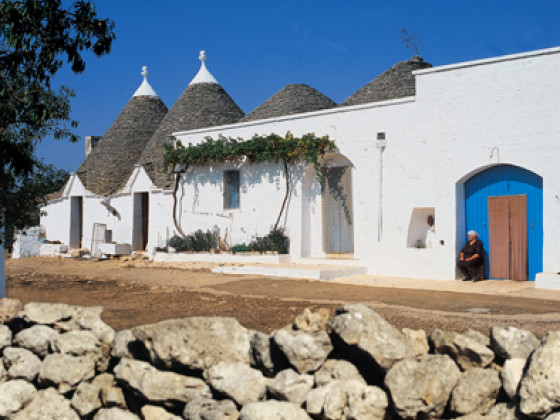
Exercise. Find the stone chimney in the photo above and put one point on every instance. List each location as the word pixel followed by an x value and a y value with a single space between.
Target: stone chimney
pixel 91 142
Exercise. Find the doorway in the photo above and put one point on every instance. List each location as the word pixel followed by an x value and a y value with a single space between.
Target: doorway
pixel 338 229
pixel 140 223
pixel 76 222
pixel 490 184
pixel 507 228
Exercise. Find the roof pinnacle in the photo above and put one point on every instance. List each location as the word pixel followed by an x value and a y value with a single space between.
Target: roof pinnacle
pixel 145 89
pixel 203 75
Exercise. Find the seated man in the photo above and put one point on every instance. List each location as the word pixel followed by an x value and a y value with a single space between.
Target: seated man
pixel 470 259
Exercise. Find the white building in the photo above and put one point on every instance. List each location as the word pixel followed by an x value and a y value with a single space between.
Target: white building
pixel 473 144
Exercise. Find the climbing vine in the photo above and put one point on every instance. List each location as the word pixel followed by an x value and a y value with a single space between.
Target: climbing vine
pixel 286 150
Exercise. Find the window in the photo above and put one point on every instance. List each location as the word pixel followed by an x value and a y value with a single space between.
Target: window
pixel 231 189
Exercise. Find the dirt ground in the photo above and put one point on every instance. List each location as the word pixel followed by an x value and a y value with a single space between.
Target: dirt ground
pixel 135 293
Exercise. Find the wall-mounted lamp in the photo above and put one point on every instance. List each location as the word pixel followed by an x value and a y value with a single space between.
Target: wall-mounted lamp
pixel 381 140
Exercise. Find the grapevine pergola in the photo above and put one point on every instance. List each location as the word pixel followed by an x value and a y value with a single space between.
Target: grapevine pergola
pixel 287 150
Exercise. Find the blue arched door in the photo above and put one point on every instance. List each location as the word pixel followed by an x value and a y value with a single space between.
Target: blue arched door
pixel 496 187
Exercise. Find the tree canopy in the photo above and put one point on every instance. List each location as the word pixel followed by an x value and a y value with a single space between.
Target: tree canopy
pixel 21 196
pixel 37 37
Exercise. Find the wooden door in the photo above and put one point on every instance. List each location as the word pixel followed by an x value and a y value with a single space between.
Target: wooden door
pixel 507 226
pixel 338 230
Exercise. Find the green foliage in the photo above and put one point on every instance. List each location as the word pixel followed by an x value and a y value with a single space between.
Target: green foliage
pixel 275 241
pixel 36 38
pixel 197 241
pixel 21 196
pixel 258 149
pixel 241 248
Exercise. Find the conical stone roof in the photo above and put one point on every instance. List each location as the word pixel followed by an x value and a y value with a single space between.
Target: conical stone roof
pixel 110 163
pixel 292 99
pixel 200 105
pixel 397 82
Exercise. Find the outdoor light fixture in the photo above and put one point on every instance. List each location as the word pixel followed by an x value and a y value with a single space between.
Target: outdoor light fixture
pixel 381 140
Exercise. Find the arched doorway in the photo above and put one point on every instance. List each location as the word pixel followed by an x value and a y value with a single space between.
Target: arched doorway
pixel 504 204
pixel 337 208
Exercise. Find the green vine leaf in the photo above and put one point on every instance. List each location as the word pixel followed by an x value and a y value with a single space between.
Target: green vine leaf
pixel 271 148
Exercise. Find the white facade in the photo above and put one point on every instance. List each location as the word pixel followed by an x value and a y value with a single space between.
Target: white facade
pixel 463 119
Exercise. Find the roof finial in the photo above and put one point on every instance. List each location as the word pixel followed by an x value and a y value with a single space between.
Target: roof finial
pixel 145 89
pixel 203 75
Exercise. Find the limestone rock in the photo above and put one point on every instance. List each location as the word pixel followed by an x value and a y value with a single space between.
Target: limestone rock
pixel 152 412
pixel 312 321
pixel 478 336
pixel 95 324
pixel 511 375
pixel 60 369
pixel 159 386
pixel 114 414
pixel 86 399
pixel 48 404
pixel 2 371
pixel 21 364
pixel 418 340
pixel 83 343
pixel 539 391
pixel 14 395
pixel 195 343
pixel 290 386
pixel 54 313
pixel 513 343
pixel 38 339
pixel 5 336
pixel 273 410
pixel 553 416
pixel 476 391
pixel 121 342
pixel 470 353
pixel 305 351
pixel 334 369
pixel 441 341
pixel 208 409
pixel 265 354
pixel 421 387
pixel 237 381
pixel 347 400
pixel 9 309
pixel 505 411
pixel 112 396
pixel 364 331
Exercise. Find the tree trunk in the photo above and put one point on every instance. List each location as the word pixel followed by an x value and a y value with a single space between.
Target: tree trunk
pixel 177 179
pixel 287 174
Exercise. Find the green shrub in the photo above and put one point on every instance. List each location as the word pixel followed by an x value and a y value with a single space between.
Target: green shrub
pixel 240 248
pixel 275 241
pixel 195 242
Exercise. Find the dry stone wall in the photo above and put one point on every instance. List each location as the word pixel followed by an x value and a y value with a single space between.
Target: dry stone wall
pixel 63 362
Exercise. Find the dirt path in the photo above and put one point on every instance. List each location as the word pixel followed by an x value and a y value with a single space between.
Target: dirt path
pixel 134 294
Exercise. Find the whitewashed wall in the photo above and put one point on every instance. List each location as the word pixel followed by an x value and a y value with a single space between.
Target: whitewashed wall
pixel 435 142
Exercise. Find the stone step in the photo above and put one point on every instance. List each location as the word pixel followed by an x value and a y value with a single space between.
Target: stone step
pixel 312 272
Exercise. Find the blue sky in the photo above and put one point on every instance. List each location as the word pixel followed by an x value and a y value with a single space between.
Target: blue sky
pixel 255 48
